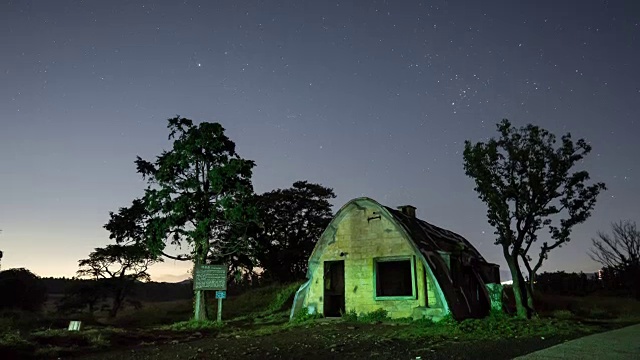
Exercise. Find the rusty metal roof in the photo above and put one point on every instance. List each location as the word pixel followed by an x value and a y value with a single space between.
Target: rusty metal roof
pixel 433 238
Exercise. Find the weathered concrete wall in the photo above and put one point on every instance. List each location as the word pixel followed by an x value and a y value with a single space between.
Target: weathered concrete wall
pixel 361 240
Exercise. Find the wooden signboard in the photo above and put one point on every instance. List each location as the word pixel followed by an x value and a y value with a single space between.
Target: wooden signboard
pixel 210 277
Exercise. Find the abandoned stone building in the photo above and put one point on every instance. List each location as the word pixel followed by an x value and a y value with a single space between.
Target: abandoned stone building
pixel 372 256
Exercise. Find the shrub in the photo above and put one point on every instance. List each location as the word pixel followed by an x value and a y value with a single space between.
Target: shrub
pixel 21 289
pixel 18 320
pixel 303 316
pixel 13 345
pixel 562 314
pixel 193 325
pixel 601 313
pixel 350 316
pixel 378 315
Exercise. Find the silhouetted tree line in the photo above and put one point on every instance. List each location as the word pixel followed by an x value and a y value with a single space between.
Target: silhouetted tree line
pixel 608 281
pixel 562 283
pixel 90 295
pixel 621 282
pixel 142 291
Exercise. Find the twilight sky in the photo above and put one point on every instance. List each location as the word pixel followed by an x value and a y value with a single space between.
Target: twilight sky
pixel 374 99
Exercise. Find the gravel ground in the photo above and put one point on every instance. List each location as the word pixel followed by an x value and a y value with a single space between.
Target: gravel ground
pixel 331 342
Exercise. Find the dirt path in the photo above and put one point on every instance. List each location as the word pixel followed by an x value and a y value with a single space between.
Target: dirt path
pixel 330 342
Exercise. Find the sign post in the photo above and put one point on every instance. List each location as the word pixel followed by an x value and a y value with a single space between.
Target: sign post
pixel 220 295
pixel 212 277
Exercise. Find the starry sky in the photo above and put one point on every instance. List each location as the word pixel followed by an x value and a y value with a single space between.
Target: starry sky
pixel 371 98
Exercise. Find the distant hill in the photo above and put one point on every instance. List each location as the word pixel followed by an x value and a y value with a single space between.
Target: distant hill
pixel 151 291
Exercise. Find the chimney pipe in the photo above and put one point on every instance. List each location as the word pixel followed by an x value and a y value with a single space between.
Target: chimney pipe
pixel 408 210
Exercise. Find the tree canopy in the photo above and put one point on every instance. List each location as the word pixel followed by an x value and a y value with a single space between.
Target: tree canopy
pixel 293 219
pixel 527 184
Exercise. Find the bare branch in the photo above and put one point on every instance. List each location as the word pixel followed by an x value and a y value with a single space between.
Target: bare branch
pixel 620 250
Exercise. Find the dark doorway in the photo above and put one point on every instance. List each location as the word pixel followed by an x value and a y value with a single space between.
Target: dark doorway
pixel 333 288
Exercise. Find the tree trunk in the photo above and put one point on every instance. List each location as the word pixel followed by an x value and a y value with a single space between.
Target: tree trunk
pixel 529 287
pixel 119 295
pixel 117 303
pixel 200 307
pixel 200 299
pixel 635 282
pixel 118 299
pixel 518 288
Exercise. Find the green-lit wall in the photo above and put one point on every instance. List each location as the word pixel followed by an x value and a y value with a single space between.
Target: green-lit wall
pixel 361 241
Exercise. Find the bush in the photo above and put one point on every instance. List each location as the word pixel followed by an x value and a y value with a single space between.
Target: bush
pixel 14 346
pixel 21 289
pixel 350 316
pixel 193 325
pixel 19 320
pixel 601 314
pixel 303 316
pixel 562 314
pixel 378 315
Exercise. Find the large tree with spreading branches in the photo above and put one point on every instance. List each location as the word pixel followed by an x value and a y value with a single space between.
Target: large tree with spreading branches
pixel 116 268
pixel 197 197
pixel 527 183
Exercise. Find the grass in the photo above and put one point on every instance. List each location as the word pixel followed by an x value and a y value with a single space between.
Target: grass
pixel 260 302
pixel 304 316
pixel 494 327
pixel 25 334
pixel 376 316
pixel 256 306
pixel 265 311
pixel 192 325
pixel 614 309
pixel 154 314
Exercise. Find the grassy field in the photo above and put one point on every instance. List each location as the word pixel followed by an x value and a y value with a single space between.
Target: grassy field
pixel 264 312
pixel 594 307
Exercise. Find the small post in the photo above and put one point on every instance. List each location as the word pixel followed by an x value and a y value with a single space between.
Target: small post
pixel 196 314
pixel 220 294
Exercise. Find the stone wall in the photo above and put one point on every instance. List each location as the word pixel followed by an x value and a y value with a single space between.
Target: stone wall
pixel 360 241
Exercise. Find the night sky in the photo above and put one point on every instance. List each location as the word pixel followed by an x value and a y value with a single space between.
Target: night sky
pixel 374 100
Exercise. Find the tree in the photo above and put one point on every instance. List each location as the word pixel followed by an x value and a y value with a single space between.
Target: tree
pixel 293 219
pixel 620 252
pixel 118 267
pixel 82 294
pixel 197 195
pixel 526 183
pixel 21 289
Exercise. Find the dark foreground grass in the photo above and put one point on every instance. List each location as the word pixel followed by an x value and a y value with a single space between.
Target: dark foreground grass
pixel 497 326
pixel 263 313
pixel 24 335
